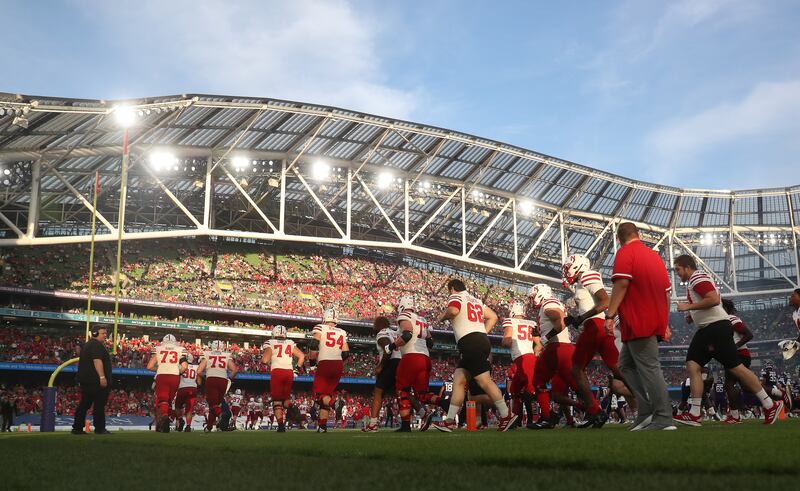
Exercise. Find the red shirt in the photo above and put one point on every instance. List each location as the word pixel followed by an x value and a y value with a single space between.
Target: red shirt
pixel 644 311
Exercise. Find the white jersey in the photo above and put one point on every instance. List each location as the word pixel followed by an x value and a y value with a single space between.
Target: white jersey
pixel 420 331
pixel 470 314
pixel 796 318
pixel 217 363
pixel 236 400
pixel 522 334
pixel 585 288
pixel 259 407
pixel 251 407
pixel 331 342
pixel 699 284
pixel 545 325
pixel 391 335
pixel 282 350
pixel 737 334
pixel 189 377
pixel 168 357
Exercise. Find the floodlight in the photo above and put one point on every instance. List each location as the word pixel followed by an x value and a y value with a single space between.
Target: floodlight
pixel 125 116
pixel 162 160
pixel 384 180
pixel 526 207
pixel 320 170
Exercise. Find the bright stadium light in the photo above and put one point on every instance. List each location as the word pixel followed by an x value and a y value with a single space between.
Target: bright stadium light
pixel 125 116
pixel 384 179
pixel 162 160
pixel 240 163
pixel 320 170
pixel 526 207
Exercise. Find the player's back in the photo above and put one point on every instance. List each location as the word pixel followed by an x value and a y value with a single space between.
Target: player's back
pixel 522 333
pixel 282 350
pixel 236 400
pixel 419 333
pixel 331 342
pixel 217 363
pixel 470 314
pixel 168 356
pixel 189 376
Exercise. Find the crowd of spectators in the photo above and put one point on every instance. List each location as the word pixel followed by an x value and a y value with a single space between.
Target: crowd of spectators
pixel 28 400
pixel 224 275
pixel 19 346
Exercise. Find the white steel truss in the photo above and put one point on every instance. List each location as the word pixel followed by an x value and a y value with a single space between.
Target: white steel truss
pixel 440 203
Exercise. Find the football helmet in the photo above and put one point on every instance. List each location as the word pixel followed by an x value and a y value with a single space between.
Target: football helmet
pixel 190 357
pixel 279 331
pixel 330 314
pixel 574 266
pixel 169 339
pixel 539 293
pixel 252 400
pixel 517 309
pixel 406 303
pixel 238 392
pixel 216 345
pixel 788 348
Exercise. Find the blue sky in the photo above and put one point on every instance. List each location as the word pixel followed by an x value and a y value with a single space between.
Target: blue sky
pixel 693 93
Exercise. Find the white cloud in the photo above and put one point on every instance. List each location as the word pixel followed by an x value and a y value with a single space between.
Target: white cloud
pixel 770 108
pixel 769 111
pixel 324 52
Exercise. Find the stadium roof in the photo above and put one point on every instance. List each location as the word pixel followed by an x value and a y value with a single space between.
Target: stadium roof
pixel 390 184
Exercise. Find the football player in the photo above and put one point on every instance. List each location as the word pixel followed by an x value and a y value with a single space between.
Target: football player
pixel 329 350
pixel 235 401
pixel 279 353
pixel 186 397
pixel 219 369
pixel 169 362
pixel 741 336
pixel 522 337
pixel 386 370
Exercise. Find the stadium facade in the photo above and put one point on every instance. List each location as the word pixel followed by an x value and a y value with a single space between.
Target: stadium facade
pixel 270 170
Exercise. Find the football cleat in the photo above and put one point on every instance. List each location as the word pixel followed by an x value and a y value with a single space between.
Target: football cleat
pixel 370 428
pixel 730 420
pixel 179 426
pixel 188 429
pixel 322 429
pixel 445 426
pixel 687 419
pixel 281 427
pixel 771 414
pixel 426 421
pixel 542 424
pixel 505 423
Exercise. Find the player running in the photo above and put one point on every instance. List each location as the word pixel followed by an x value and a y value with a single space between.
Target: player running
pixel 329 350
pixel 522 337
pixel 217 365
pixel 471 321
pixel 741 336
pixel 236 402
pixel 414 370
pixel 169 362
pixel 186 396
pixel 591 301
pixel 554 365
pixel 713 339
pixel 385 372
pixel 278 353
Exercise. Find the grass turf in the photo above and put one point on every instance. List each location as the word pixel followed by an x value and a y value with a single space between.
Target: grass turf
pixel 712 457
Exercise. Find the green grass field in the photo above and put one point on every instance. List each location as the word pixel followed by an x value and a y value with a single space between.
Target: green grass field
pixel 708 458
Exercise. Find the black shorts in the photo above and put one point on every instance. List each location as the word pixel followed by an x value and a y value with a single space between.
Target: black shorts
pixel 714 341
pixel 475 349
pixel 746 360
pixel 385 379
pixel 475 389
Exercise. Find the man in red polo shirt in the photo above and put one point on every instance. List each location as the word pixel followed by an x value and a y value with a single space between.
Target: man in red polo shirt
pixel 640 297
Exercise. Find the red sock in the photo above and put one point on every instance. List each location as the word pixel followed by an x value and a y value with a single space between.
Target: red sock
pixel 543 399
pixel 163 409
